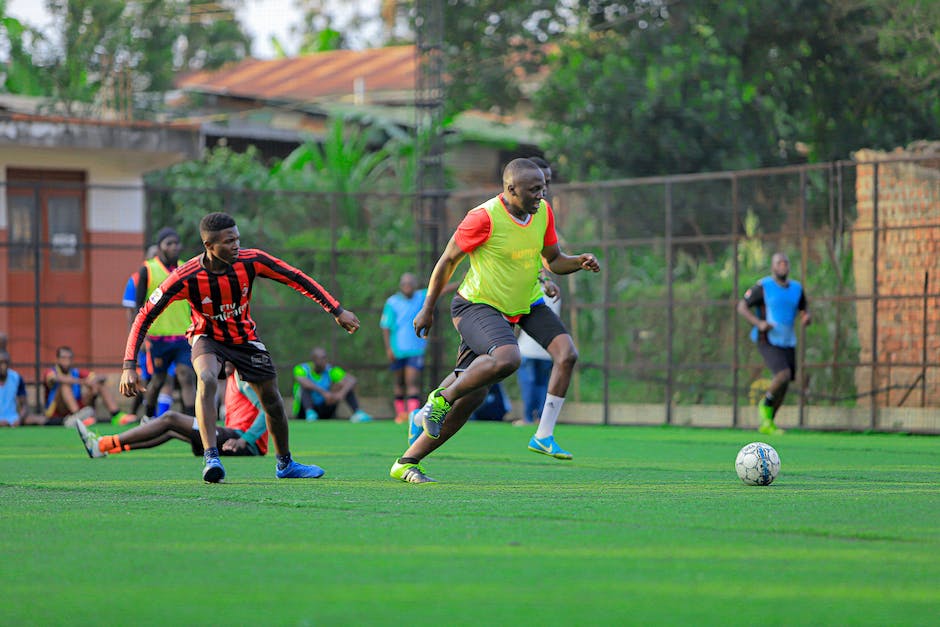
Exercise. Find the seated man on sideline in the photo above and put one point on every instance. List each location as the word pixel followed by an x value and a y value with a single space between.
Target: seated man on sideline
pixel 71 393
pixel 13 408
pixel 320 387
pixel 244 433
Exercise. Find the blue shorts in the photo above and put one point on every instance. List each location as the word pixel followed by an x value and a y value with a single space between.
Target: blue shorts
pixel 143 364
pixel 164 354
pixel 416 362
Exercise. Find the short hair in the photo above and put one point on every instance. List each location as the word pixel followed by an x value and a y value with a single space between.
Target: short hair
pixel 217 221
pixel 539 161
pixel 62 349
pixel 516 167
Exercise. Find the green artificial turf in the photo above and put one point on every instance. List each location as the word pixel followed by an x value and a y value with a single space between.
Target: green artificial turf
pixel 647 526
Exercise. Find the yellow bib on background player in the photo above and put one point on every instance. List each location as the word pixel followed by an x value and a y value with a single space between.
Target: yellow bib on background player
pixel 175 318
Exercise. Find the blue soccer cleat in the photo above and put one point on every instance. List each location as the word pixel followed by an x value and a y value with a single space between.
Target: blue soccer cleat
pixel 213 472
pixel 548 446
pixel 296 470
pixel 415 425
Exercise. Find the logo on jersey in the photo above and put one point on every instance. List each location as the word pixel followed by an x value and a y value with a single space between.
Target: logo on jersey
pixel 156 296
pixel 206 301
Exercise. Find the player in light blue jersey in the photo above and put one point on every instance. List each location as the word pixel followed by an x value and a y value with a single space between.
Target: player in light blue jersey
pixel 772 306
pixel 404 349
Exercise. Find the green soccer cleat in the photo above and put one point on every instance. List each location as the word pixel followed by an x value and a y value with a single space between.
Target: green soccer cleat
pixel 548 446
pixel 409 473
pixel 767 426
pixel 434 412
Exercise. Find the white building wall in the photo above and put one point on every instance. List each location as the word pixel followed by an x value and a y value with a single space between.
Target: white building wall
pixel 116 206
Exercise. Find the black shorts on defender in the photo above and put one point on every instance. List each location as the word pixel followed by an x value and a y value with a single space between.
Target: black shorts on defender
pixel 482 328
pixel 251 359
pixel 778 358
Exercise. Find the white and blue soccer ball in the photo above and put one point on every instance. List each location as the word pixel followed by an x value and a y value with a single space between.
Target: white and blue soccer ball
pixel 757 464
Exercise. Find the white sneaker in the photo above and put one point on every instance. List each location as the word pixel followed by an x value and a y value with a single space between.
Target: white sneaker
pixel 90 440
pixel 79 416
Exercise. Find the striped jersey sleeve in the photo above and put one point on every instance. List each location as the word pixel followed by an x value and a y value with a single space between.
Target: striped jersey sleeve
pixel 173 288
pixel 273 268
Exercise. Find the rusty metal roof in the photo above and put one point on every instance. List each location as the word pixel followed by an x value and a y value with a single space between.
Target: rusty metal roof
pixel 320 76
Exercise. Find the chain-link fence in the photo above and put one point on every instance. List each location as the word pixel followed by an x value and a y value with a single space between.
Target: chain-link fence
pixel 657 331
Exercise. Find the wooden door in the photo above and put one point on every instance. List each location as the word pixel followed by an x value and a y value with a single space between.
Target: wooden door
pixel 48 256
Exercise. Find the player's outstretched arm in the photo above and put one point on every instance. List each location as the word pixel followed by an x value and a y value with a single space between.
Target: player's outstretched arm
pixel 440 277
pixel 562 263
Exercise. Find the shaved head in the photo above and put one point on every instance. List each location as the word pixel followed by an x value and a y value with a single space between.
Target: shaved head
pixel 516 169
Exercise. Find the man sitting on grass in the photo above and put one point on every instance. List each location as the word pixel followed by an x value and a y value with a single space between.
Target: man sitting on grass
pixel 244 433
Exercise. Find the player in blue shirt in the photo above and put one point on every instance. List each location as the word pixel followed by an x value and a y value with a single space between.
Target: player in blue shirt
pixel 404 349
pixel 13 410
pixel 772 305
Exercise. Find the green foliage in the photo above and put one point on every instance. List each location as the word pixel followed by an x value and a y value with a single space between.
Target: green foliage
pixel 491 46
pixel 908 36
pixel 699 86
pixel 21 76
pixel 95 47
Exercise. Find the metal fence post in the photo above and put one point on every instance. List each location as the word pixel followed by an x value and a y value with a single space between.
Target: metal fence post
pixel 804 255
pixel 873 414
pixel 735 318
pixel 670 320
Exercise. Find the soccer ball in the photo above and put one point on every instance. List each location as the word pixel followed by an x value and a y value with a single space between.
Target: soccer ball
pixel 757 464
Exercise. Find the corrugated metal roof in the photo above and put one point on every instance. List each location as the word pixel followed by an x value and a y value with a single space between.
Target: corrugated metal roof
pixel 323 75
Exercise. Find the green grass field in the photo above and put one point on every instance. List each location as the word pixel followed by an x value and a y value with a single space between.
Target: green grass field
pixel 647 526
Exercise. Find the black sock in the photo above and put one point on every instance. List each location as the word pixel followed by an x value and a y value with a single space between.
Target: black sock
pixel 769 398
pixel 211 452
pixel 408 460
pixel 283 461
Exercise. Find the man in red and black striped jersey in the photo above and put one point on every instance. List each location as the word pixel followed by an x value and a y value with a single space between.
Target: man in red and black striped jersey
pixel 218 285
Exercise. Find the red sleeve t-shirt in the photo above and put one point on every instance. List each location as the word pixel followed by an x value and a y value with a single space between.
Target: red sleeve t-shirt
pixel 476 228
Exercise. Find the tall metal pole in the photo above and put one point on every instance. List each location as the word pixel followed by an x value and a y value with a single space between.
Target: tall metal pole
pixel 735 325
pixel 670 317
pixel 430 192
pixel 873 417
pixel 37 304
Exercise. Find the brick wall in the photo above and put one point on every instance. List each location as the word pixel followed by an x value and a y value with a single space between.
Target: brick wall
pixel 908 197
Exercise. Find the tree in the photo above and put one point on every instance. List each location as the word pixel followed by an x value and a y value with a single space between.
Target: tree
pixel 21 74
pixel 652 87
pixel 909 40
pixel 493 48
pixel 110 53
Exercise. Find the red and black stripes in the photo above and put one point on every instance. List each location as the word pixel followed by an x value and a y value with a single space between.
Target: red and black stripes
pixel 220 301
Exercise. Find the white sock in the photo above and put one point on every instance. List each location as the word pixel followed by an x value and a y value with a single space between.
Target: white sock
pixel 549 415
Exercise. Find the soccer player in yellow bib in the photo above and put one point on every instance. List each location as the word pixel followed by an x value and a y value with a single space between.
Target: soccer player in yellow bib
pixel 506 238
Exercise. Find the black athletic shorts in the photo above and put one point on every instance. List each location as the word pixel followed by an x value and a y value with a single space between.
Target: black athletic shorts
pixel 482 328
pixel 778 358
pixel 221 435
pixel 251 360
